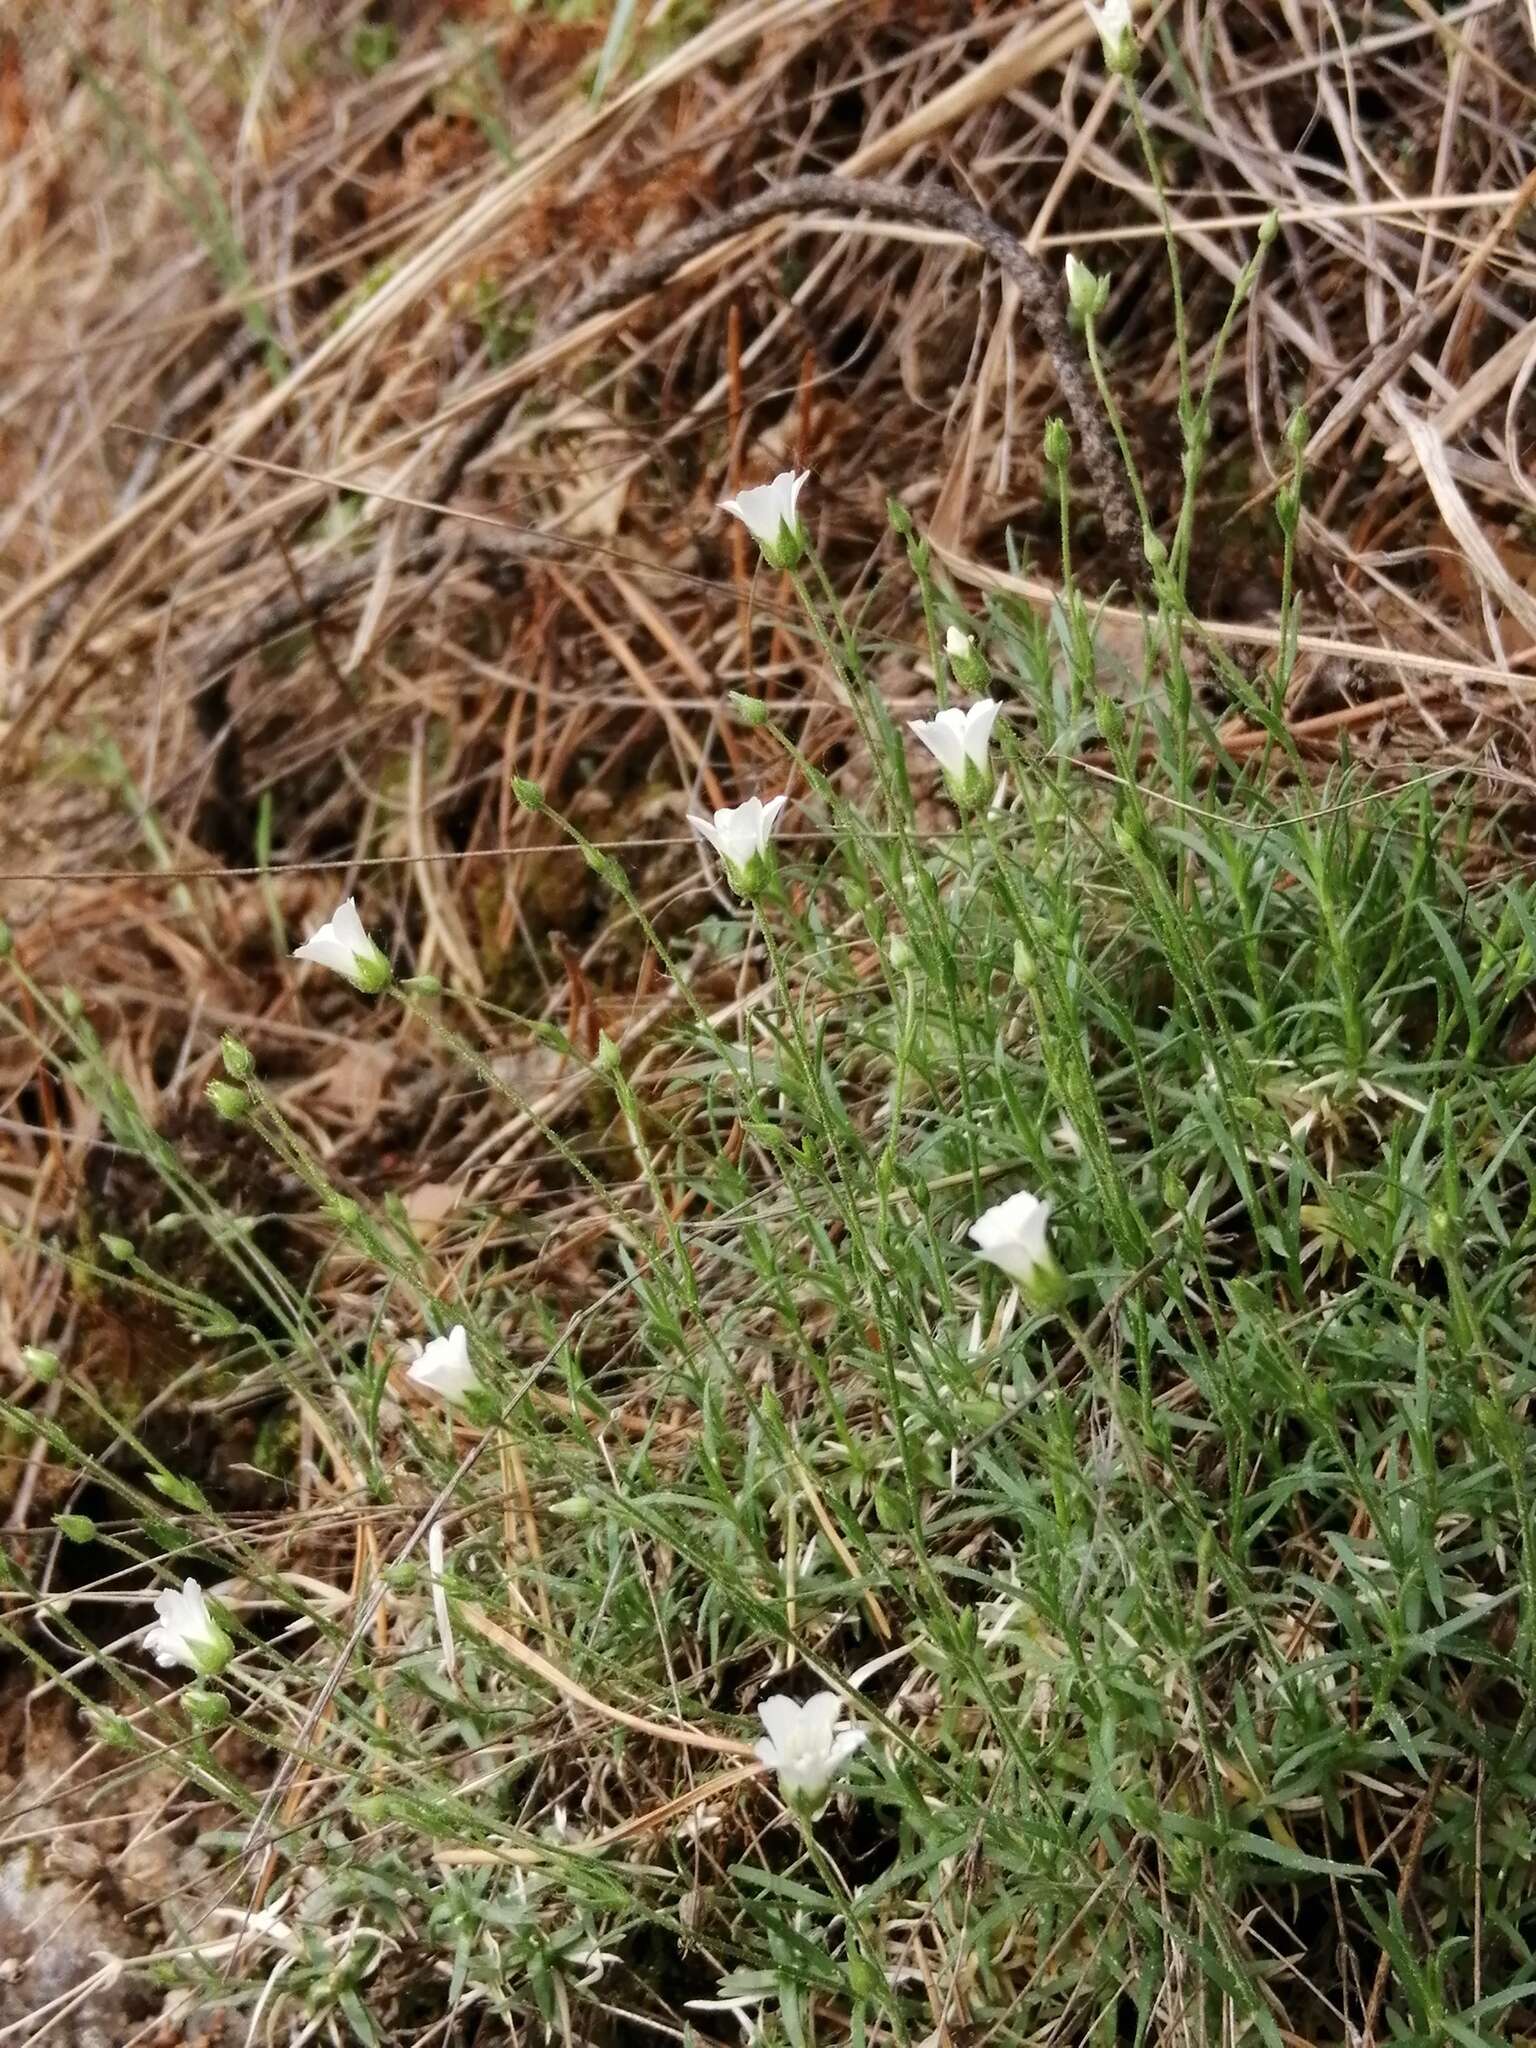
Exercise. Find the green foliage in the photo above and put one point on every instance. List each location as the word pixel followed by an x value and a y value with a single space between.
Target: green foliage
pixel 1187 1606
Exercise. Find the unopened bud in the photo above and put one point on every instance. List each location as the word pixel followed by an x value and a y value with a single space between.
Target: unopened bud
pixel 238 1061
pixel 230 1102
pixel 750 710
pixel 205 1709
pixel 1087 293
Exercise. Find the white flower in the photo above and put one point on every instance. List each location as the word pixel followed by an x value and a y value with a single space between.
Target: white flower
pixel 742 837
pixel 958 740
pixel 444 1366
pixel 344 947
pixel 805 1745
pixel 768 512
pixel 1117 32
pixel 1089 295
pixel 958 645
pixel 185 1632
pixel 1011 1235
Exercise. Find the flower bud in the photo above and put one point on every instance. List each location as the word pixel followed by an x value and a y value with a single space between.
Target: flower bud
pixel 1117 33
pixel 1298 431
pixel 205 1709
pixel 230 1102
pixel 967 661
pixel 42 1363
pixel 750 710
pixel 575 1507
pixel 77 1528
pixel 423 985
pixel 1087 293
pixel 119 1248
pixel 239 1063
pixel 528 794
pixel 1058 443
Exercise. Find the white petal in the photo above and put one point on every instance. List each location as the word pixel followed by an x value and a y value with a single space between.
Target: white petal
pixel 780 1715
pixel 820 1716
pixel 844 1743
pixel 444 1366
pixel 772 811
pixel 979 721
pixel 944 737
pixel 705 830
pixel 347 926
pixel 324 949
pixel 746 821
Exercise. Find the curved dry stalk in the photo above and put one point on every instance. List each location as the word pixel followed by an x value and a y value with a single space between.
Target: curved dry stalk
pixel 923 206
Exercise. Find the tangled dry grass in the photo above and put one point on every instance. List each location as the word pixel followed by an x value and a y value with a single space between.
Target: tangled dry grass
pixel 264 629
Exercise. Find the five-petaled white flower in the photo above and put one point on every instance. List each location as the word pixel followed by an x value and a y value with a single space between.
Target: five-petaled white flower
pixel 805 1745
pixel 185 1632
pixel 768 512
pixel 342 945
pixel 444 1366
pixel 1011 1235
pixel 1117 32
pixel 743 839
pixel 958 740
